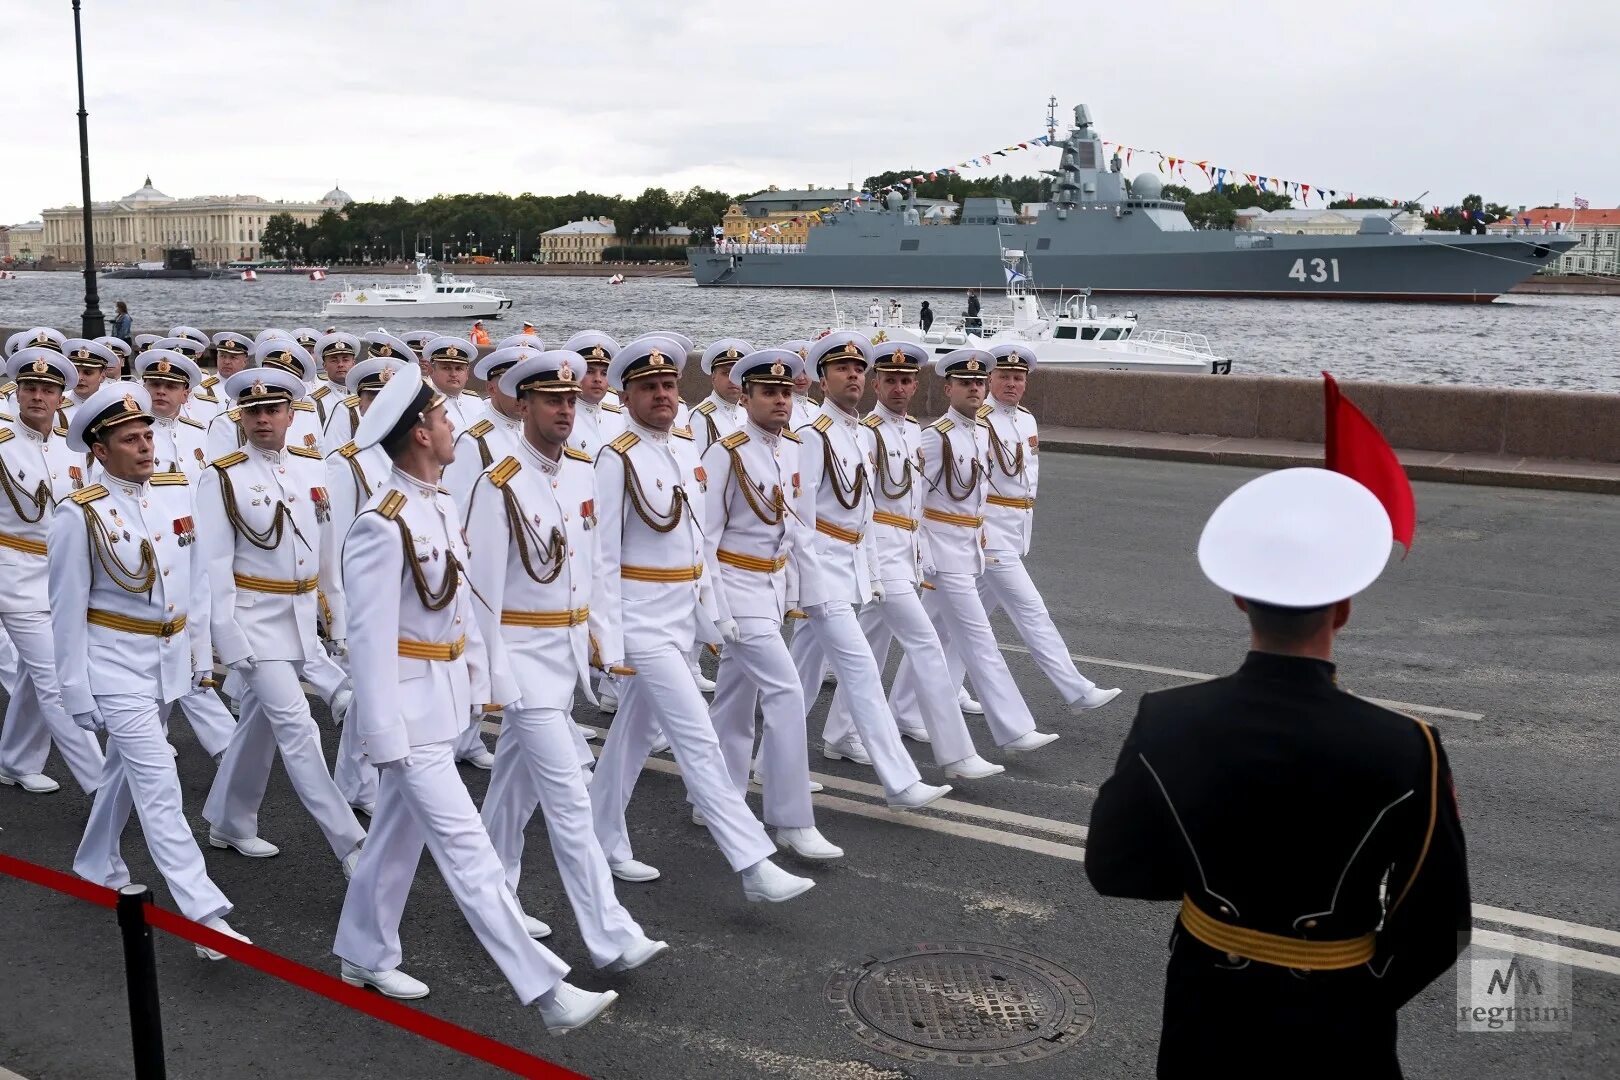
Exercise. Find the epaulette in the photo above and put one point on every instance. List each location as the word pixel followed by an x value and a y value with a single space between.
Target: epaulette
pixel 984 411
pixel 303 406
pixel 609 406
pixel 189 420
pixel 210 398
pixel 705 407
pixel 352 401
pixel 320 392
pixel 235 414
pixel 681 432
pixel 8 389
pixel 790 437
pixel 913 420
pixel 235 457
pixel 169 479
pixel 391 505
pixel 6 435
pixel 469 393
pixel 305 451
pixel 734 440
pixel 577 454
pixel 88 495
pixel 480 429
pixel 624 442
pixel 981 423
pixel 348 449
pixel 8 417
pixel 503 472
pixel 822 423
pixel 210 382
pixel 1025 411
pixel 873 420
pixel 943 424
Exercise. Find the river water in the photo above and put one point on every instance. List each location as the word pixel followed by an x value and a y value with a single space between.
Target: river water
pixel 1545 342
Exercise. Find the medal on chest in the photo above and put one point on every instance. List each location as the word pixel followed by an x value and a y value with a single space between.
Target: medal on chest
pixel 76 475
pixel 587 513
pixel 185 531
pixel 702 478
pixel 323 504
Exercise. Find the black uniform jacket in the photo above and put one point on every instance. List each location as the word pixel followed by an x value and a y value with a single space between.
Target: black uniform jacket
pixel 1274 801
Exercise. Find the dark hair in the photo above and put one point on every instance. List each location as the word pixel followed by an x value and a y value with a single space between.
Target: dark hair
pixel 398 440
pixel 123 308
pixel 1286 624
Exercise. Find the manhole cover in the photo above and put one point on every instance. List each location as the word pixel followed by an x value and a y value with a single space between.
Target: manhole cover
pixel 962 1003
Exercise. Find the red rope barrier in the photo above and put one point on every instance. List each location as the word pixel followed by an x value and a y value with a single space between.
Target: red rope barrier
pixel 443 1032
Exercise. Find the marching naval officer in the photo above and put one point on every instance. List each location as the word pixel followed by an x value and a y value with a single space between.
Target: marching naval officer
pixel 900 547
pixel 954 450
pixel 422 675
pixel 232 353
pixel 1311 836
pixel 842 574
pixel 531 558
pixel 40 337
pixel 804 408
pixel 124 577
pixel 449 360
pixel 494 436
pixel 1012 470
pixel 721 413
pixel 597 418
pixel 336 353
pixel 36 471
pixel 648 612
pixel 267 549
pixel 92 362
pixel 227 434
pixel 753 526
pixel 341 425
pixel 122 351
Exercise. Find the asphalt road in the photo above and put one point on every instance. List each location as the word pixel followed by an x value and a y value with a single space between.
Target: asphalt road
pixel 1503 618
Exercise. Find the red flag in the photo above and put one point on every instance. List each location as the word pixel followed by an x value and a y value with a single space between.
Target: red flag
pixel 1357 449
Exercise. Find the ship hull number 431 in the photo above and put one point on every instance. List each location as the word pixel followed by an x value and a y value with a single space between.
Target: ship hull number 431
pixel 1317 270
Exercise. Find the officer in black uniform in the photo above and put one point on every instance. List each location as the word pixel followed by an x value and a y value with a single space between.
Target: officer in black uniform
pixel 1311 836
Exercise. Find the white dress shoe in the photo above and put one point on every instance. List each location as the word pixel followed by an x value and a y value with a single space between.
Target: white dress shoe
pixel 808 843
pixel 638 954
pixel 392 984
pixel 972 767
pixel 367 808
pixel 174 751
pixel 235 707
pixel 217 923
pixel 1095 698
pixel 633 870
pixel 1030 740
pixel 969 703
pixel 830 679
pixel 535 928
pixel 34 783
pixel 565 1007
pixel 704 684
pixel 916 734
pixel 846 749
pixel 917 795
pixel 768 883
pixel 589 734
pixel 758 780
pixel 608 703
pixel 340 706
pixel 698 818
pixel 660 745
pixel 251 846
pixel 480 758
pixel 350 861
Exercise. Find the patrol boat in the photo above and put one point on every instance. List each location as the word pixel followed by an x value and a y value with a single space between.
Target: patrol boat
pixel 430 294
pixel 1094 233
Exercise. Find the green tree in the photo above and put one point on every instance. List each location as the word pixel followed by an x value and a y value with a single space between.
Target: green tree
pixel 652 210
pixel 701 210
pixel 279 240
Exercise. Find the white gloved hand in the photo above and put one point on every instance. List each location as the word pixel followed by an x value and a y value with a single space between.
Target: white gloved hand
pixel 728 629
pixel 877 591
pixel 243 667
pixel 397 763
pixel 89 721
pixel 337 648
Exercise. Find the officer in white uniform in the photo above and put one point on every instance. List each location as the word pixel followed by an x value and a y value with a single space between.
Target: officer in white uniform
pixel 42 337
pixel 92 361
pixel 422 675
pixel 531 558
pixel 721 413
pixel 754 526
pixel 232 353
pixel 900 546
pixel 1013 470
pixel 125 579
pixel 598 419
pixel 225 432
pixel 954 450
pixel 495 435
pixel 804 407
pixel 646 616
pixel 192 333
pixel 121 349
pixel 336 353
pixel 267 546
pixel 36 471
pixel 843 575
pixel 341 425
pixel 449 359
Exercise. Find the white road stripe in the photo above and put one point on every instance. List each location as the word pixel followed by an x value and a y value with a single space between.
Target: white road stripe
pixel 1596 935
pixel 1065 829
pixel 918 820
pixel 1546 950
pixel 1204 676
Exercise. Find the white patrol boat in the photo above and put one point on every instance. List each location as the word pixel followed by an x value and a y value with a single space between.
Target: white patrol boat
pixel 430 294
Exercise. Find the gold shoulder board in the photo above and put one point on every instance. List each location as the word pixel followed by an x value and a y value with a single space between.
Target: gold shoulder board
pixel 1025 411
pixel 348 449
pixel 873 420
pixel 942 425
pixel 303 406
pixel 236 457
pixel 912 420
pixel 705 408
pixel 320 391
pixel 8 389
pixel 305 451
pixel 6 435
pixel 352 401
pixel 207 397
pixel 790 437
pixel 609 406
pixel 734 440
pixel 503 472
pixel 169 479
pixel 822 423
pixel 234 414
pixel 189 421
pixel 681 432
pixel 60 429
pixel 89 494
pixel 480 429
pixel 210 382
pixel 577 454
pixel 984 411
pixel 624 442
pixel 391 505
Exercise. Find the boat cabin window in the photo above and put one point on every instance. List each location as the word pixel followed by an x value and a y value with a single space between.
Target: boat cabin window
pixel 1110 333
pixel 908 245
pixel 1064 331
pixel 1088 333
pixel 1043 243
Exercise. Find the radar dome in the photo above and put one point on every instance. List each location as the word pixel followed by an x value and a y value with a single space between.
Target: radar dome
pixel 895 200
pixel 1147 186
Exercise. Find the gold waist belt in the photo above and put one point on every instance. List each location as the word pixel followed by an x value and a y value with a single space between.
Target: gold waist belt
pixel 545 619
pixel 966 521
pixel 899 521
pixel 433 650
pixel 837 532
pixel 1010 501
pixel 129 625
pixel 661 573
pixel 1276 949
pixel 18 543
pixel 279 588
pixel 751 562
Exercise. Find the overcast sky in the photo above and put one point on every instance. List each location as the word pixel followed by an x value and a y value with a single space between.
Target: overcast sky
pixel 403 98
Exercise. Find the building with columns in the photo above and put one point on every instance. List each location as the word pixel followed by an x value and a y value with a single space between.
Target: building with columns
pixel 138 227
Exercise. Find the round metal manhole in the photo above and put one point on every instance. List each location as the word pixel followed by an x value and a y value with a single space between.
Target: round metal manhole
pixel 963 1003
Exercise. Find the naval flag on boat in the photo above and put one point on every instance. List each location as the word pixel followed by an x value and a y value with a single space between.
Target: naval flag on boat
pixel 1013 275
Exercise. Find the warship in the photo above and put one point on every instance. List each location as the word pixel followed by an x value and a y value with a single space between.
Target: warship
pixel 1098 232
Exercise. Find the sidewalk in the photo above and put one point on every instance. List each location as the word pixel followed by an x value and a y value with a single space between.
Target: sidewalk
pixel 1275 453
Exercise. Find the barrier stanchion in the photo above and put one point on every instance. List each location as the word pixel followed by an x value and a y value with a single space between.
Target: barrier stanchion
pixel 140 973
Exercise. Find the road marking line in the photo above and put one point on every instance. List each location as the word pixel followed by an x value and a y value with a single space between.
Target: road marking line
pixel 964 809
pixel 1557 927
pixel 1204 676
pixel 1546 950
pixel 915 820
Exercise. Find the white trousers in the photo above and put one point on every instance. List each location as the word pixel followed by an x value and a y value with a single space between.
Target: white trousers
pixel 211 722
pixel 8 663
pixel 662 690
pixel 34 713
pixel 834 634
pixel 758 665
pixel 900 616
pixel 1005 584
pixel 140 773
pixel 355 775
pixel 425 802
pixel 954 607
pixel 275 715
pixel 536 765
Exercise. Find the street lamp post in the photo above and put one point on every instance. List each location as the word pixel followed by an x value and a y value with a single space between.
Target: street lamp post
pixel 94 324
